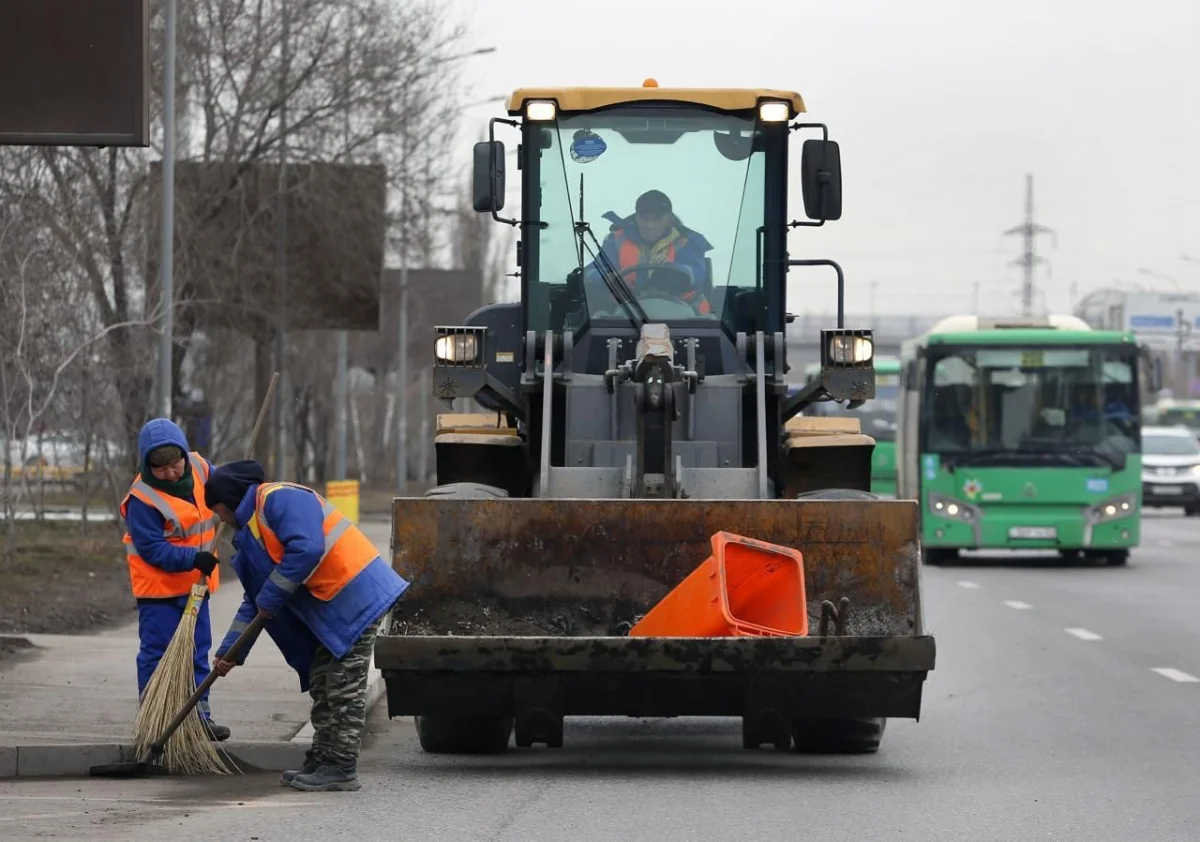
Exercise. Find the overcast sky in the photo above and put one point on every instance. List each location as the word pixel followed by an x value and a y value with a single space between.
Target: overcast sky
pixel 941 107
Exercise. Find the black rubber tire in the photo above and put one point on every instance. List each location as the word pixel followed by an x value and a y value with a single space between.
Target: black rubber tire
pixel 461 735
pixel 464 735
pixel 1117 558
pixel 466 491
pixel 1191 511
pixel 831 735
pixel 837 494
pixel 827 735
pixel 937 556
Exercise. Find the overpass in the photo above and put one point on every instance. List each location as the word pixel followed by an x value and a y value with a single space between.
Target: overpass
pixel 804 334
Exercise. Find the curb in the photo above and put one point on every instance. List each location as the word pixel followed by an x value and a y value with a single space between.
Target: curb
pixel 73 761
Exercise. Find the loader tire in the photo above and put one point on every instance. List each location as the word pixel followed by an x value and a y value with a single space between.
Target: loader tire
pixel 466 491
pixel 463 735
pixel 835 735
pixel 829 735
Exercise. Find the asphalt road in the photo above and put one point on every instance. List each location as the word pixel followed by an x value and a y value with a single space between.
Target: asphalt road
pixel 1065 706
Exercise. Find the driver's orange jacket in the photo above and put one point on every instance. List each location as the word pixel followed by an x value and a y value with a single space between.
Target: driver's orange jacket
pixel 629 253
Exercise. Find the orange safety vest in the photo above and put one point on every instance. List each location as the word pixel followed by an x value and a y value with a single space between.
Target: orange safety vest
pixel 347 550
pixel 629 254
pixel 187 525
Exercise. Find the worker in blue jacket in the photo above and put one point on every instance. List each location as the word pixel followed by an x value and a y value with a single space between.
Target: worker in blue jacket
pixel 170 537
pixel 324 590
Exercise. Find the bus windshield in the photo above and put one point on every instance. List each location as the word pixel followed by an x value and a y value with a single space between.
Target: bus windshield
pixel 1002 405
pixel 673 198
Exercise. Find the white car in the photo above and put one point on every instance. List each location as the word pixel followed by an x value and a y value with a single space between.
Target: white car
pixel 1171 469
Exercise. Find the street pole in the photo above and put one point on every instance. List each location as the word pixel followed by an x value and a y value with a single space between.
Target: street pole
pixel 341 392
pixel 426 388
pixel 281 401
pixel 166 270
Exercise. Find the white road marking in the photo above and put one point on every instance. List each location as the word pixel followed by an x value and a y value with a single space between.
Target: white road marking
pixel 1083 634
pixel 1017 604
pixel 1176 675
pixel 969 585
pixel 1166 543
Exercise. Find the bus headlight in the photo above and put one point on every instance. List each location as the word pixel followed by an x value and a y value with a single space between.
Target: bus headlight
pixel 948 507
pixel 1117 507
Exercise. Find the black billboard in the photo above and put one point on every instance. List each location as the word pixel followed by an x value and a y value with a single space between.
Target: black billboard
pixel 74 73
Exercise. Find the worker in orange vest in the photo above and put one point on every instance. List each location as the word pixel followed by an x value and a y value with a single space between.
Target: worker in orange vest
pixel 654 234
pixel 323 590
pixel 169 535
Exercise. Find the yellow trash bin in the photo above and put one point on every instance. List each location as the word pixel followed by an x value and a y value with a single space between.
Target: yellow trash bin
pixel 343 494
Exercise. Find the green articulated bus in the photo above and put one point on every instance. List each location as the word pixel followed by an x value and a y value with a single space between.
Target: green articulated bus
pixel 877 419
pixel 1023 434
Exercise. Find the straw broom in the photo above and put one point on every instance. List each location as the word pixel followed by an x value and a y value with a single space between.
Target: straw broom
pixel 188 751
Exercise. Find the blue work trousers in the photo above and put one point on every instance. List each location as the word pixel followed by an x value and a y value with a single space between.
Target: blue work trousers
pixel 157 622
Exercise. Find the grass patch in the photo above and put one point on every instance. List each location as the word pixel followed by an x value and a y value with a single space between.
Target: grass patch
pixel 63 579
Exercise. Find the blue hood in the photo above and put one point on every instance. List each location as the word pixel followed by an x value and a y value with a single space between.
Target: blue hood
pixel 155 433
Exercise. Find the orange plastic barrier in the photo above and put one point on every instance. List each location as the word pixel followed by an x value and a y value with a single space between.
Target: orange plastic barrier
pixel 745 588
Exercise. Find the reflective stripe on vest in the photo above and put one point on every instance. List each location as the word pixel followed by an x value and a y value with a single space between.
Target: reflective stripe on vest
pixel 186 525
pixel 346 552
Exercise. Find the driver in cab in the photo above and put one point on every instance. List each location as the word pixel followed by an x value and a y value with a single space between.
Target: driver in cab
pixel 653 234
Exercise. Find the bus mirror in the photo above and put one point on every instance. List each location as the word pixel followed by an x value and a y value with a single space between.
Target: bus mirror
pixel 1156 374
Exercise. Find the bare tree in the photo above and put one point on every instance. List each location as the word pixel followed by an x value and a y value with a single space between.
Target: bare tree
pixel 356 75
pixel 44 333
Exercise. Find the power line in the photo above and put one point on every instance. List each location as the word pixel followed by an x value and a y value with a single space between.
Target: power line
pixel 1028 259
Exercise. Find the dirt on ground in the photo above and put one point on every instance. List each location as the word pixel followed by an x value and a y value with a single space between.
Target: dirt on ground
pixel 64 580
pixel 524 617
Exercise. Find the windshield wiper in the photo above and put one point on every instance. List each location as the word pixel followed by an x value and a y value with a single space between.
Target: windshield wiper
pixel 608 273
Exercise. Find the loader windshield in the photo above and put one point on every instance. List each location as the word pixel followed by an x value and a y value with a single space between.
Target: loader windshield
pixel 666 200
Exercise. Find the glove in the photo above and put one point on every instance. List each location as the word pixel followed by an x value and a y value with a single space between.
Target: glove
pixel 205 562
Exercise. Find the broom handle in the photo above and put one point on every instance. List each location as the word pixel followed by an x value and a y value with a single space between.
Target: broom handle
pixel 258 425
pixel 251 630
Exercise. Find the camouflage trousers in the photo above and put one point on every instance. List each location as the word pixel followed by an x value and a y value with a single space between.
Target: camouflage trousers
pixel 339 693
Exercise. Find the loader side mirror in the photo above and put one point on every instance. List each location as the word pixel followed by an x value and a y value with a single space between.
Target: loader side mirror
pixel 487 182
pixel 821 177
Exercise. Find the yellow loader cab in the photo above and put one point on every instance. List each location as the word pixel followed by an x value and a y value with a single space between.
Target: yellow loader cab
pixel 632 404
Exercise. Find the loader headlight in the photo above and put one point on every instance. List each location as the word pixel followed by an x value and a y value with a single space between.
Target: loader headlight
pixel 948 507
pixel 540 110
pixel 457 348
pixel 774 112
pixel 1117 507
pixel 851 350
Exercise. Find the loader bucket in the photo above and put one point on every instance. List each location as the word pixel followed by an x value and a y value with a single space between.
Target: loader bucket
pixel 523 608
pixel 626 555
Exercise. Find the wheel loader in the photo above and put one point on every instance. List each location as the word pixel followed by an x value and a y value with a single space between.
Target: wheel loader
pixel 630 406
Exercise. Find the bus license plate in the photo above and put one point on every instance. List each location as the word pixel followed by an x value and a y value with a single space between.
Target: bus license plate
pixel 1042 532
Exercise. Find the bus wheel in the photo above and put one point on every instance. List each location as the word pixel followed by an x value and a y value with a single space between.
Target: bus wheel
pixel 1191 511
pixel 937 556
pixel 1117 558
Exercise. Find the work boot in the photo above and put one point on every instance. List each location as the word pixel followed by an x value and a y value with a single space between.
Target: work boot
pixel 327 778
pixel 216 733
pixel 310 765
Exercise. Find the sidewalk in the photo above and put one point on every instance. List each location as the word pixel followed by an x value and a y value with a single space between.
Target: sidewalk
pixel 77 690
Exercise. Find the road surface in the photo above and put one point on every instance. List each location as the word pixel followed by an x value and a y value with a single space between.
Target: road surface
pixel 1065 706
